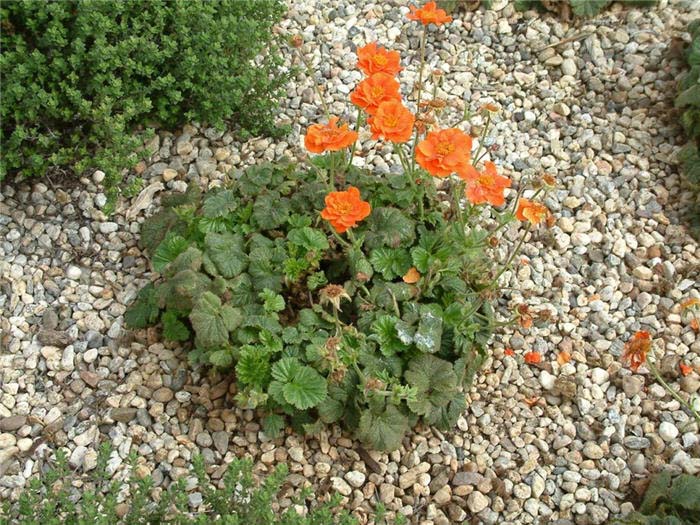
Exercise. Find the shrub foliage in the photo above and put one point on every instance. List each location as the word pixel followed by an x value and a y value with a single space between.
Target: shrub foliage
pixel 80 75
pixel 54 499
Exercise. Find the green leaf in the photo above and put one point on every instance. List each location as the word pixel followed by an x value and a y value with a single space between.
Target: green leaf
pixel 168 250
pixel 241 288
pixel 208 323
pixel 219 204
pixel 331 410
pixel 173 328
pixel 383 431
pixel 421 259
pixel 232 317
pixel 273 425
pixel 689 97
pixel 272 302
pixel 254 179
pixel 588 8
pixel 310 239
pixel 226 251
pixel 389 227
pixel 316 280
pixel 221 358
pixel 385 333
pixel 390 262
pixel 155 228
pixel 253 366
pixel 434 380
pixel 285 369
pixel 190 259
pixel 429 333
pixel 445 417
pixel 685 492
pixel 144 311
pixel 271 210
pixel 306 390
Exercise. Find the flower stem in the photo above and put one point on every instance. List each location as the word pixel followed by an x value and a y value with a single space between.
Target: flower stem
pixel 476 157
pixel 420 93
pixel 310 72
pixel 512 256
pixel 652 368
pixel 358 123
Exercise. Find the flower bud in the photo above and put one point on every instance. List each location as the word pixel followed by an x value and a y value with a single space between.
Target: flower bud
pixel 296 40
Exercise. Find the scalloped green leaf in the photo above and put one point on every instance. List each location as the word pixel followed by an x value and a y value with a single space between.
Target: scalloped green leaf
pixel 226 252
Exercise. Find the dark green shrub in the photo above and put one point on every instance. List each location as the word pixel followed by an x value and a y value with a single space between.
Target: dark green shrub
pixel 688 101
pixel 80 76
pixel 51 500
pixel 667 501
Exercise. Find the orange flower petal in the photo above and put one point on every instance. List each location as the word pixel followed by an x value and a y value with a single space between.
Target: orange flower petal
pixel 532 358
pixel 444 152
pixel 685 369
pixel 412 276
pixel 509 352
pixel 375 59
pixel 563 357
pixel 329 137
pixel 429 14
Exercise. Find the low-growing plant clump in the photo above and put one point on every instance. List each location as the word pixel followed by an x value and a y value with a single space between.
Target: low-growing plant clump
pixel 667 501
pixel 338 295
pixel 61 497
pixel 81 77
pixel 688 102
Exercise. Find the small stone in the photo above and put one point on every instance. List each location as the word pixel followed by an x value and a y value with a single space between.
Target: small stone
pixel 169 174
pixel 547 380
pixel 668 431
pixel 221 440
pixel 568 67
pixel 477 502
pixel 643 273
pixel 592 450
pixel 124 415
pixel 297 454
pixel 74 273
pixel 599 376
pixel 355 478
pixel 163 395
pixel 12 423
pixel 632 385
pixel 443 496
pixel 341 486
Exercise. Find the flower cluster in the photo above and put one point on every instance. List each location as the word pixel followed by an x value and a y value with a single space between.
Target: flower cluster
pixel 440 151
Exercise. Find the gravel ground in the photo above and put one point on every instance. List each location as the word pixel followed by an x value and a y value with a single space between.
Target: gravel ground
pixel 553 443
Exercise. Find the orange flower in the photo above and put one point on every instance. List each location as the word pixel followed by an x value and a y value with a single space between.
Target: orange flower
pixel 486 186
pixel 444 152
pixel 329 137
pixel 685 369
pixel 532 358
pixel 411 276
pixel 429 14
pixel 344 209
pixel 509 352
pixel 375 59
pixel 374 90
pixel 531 211
pixel 636 349
pixel 392 121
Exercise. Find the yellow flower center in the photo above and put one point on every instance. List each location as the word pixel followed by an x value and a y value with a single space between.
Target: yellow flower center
pixel 391 121
pixel 485 179
pixel 380 60
pixel 445 148
pixel 377 91
pixel 344 208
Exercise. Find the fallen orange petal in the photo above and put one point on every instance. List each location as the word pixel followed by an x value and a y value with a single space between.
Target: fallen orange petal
pixel 532 358
pixel 685 369
pixel 563 357
pixel 509 352
pixel 411 276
